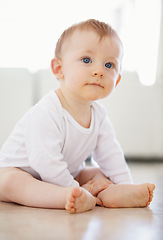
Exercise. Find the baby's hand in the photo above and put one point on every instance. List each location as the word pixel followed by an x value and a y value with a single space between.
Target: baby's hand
pixel 96 186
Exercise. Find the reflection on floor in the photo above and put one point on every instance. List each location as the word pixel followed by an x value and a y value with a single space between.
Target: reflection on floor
pixel 24 223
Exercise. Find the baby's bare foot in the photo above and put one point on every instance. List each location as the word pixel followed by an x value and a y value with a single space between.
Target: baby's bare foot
pixel 79 200
pixel 127 195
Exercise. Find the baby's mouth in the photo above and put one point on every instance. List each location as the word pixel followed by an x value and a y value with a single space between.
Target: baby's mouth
pixel 95 84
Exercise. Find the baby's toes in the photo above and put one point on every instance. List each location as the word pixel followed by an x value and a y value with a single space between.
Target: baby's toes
pixel 151 188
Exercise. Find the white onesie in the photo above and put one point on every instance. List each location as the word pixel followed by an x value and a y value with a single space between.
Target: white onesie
pixel 48 143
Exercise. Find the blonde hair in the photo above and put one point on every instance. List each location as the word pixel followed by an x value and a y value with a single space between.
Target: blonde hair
pixel 101 28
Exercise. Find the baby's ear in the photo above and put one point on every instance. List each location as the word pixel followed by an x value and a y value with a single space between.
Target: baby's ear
pixel 56 66
pixel 118 80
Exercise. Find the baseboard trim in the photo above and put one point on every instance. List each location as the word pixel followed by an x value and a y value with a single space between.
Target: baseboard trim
pixel 137 160
pixel 144 159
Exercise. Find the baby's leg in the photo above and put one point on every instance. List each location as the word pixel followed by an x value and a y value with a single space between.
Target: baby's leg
pixel 127 195
pixel 20 187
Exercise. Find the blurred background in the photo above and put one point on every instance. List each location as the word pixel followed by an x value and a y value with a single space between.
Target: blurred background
pixel 29 30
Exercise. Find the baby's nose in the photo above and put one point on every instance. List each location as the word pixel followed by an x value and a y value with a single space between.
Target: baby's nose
pixel 98 73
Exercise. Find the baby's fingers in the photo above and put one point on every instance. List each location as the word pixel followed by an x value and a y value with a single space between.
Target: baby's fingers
pixel 97 188
pixel 98 202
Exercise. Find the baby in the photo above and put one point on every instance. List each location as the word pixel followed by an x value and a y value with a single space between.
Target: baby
pixel 42 163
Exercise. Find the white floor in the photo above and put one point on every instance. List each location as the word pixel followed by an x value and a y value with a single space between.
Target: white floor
pixel 24 223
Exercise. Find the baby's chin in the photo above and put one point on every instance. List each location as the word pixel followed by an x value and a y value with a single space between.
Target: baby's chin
pixel 97 97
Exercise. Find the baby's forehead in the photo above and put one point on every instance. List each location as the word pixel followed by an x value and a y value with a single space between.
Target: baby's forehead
pixel 86 33
pixel 89 39
pixel 86 38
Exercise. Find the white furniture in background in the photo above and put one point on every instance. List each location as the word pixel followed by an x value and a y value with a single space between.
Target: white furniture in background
pixel 16 96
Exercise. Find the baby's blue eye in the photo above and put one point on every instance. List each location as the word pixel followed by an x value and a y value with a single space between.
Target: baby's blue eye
pixel 108 65
pixel 86 60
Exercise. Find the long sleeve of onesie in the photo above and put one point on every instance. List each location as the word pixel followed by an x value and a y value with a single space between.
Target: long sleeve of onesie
pixel 44 148
pixel 109 155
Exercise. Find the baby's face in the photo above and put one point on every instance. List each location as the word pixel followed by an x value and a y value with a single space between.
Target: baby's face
pixel 90 67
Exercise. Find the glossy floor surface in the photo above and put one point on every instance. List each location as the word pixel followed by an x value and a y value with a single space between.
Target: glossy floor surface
pixel 23 223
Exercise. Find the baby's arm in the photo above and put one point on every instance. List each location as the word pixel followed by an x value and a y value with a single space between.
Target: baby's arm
pixel 109 155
